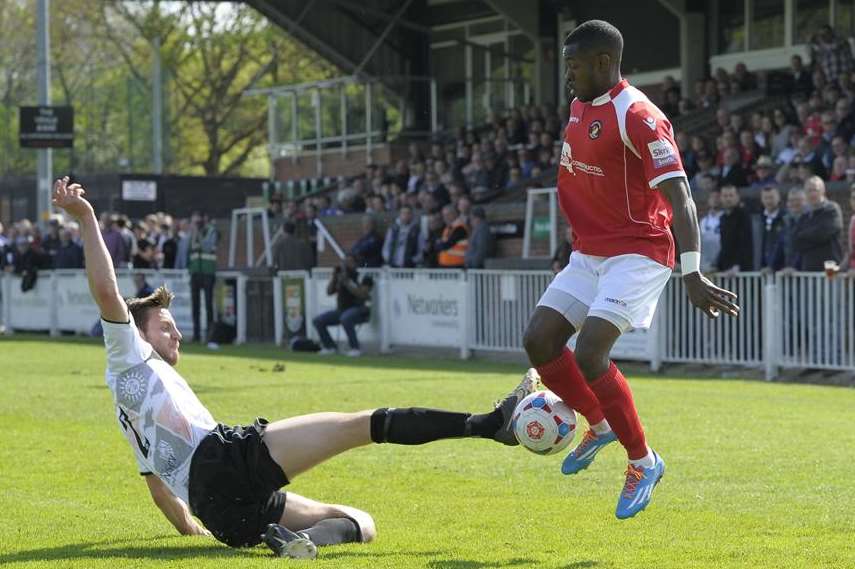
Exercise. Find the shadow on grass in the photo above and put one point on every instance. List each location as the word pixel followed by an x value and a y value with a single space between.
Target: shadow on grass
pixel 468 564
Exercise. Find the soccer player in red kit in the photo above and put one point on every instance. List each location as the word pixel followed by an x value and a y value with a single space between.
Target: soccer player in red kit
pixel 622 187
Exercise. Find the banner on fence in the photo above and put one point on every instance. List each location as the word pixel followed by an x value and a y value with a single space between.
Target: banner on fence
pixel 427 312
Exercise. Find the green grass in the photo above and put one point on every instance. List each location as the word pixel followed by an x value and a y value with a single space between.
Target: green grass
pixel 759 475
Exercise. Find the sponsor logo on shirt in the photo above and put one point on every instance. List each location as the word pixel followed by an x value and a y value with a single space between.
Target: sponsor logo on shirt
pixel 573 165
pixel 615 301
pixel 574 119
pixel 594 129
pixel 662 152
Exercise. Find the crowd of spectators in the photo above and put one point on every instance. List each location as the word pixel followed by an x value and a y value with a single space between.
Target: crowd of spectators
pixel 788 152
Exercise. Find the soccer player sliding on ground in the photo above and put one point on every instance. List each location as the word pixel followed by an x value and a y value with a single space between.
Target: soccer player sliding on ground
pixel 230 476
pixel 622 188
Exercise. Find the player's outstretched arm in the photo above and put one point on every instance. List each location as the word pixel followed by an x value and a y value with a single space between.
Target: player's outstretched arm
pixel 711 299
pixel 175 510
pixel 99 267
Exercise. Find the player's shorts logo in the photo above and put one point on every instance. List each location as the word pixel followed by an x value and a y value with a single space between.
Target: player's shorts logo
pixel 595 129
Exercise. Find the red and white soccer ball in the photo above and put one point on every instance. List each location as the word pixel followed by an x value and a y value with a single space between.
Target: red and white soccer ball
pixel 543 423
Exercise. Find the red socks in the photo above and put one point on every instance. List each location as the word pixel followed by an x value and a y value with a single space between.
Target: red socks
pixel 615 399
pixel 563 377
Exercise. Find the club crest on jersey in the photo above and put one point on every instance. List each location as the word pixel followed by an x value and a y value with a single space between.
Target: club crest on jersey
pixel 650 122
pixel 567 158
pixel 594 130
pixel 662 152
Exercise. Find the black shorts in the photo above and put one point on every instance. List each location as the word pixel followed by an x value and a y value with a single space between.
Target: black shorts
pixel 234 484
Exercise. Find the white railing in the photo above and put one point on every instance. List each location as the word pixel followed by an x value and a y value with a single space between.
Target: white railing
pixel 801 320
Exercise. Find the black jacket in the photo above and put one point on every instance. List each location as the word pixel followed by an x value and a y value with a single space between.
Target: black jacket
pixel 816 237
pixel 736 248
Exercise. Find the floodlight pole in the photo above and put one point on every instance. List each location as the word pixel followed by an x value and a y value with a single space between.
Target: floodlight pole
pixel 45 155
pixel 157 109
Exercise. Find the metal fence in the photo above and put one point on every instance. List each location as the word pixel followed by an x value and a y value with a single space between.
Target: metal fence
pixel 800 320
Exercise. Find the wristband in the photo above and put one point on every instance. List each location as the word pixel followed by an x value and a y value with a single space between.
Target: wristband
pixel 690 262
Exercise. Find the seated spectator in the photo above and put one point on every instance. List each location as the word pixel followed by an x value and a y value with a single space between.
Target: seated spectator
pixel 710 228
pixel 68 255
pixel 736 237
pixel 400 247
pixel 326 208
pixel 515 179
pixel 352 306
pixel 764 173
pixel 845 120
pixel 481 241
pixel 464 208
pixel 368 249
pixel 745 79
pixel 732 173
pixel 788 153
pixel 455 239
pixel 291 253
pixel 772 227
pixel 816 235
pixel 433 186
pixel 838 169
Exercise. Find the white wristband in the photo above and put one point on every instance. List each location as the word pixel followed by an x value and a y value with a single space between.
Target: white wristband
pixel 690 262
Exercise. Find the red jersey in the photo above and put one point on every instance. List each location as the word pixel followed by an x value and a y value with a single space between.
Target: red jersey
pixel 617 149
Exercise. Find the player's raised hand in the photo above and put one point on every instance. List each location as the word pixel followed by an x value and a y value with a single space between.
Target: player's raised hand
pixel 711 299
pixel 69 197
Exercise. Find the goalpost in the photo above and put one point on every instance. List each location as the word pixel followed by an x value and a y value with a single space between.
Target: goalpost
pixel 531 197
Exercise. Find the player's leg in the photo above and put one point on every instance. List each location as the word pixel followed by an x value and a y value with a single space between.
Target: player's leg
pixel 627 295
pixel 321 322
pixel 560 310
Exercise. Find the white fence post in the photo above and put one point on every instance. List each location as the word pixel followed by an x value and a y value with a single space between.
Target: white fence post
pixel 466 317
pixel 385 309
pixel 241 309
pixel 278 310
pixel 311 305
pixel 771 329
pixel 4 303
pixel 54 305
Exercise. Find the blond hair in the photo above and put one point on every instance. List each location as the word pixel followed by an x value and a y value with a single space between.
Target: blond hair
pixel 140 308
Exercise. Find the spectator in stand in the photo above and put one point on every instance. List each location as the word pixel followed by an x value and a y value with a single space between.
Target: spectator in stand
pixel 743 78
pixel 481 242
pixel 831 54
pixel 455 236
pixel 290 253
pixel 736 250
pixel 817 234
pixel 772 228
pixel 429 241
pixel 838 169
pixel 710 227
pixel 464 208
pixel 706 169
pixel 368 249
pixel 202 266
pixel 352 306
pixel 749 149
pixel 51 241
pixel 849 266
pixel 732 173
pixel 401 245
pixel 326 208
pixel 433 186
pixel 810 157
pixel 800 77
pixel 123 224
pixel 764 173
pixel 68 255
pixel 789 152
pixel 169 246
pixel 845 119
pixel 144 257
pixel 182 251
pixel 27 260
pixel 115 242
pixel 141 286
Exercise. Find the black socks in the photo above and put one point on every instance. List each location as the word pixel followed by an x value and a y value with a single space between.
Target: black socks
pixel 333 531
pixel 417 425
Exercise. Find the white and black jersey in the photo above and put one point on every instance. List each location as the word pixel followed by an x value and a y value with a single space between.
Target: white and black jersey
pixel 159 414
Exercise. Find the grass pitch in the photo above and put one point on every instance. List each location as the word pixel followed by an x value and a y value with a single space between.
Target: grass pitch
pixel 759 475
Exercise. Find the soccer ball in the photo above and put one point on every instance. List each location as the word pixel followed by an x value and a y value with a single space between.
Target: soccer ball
pixel 543 423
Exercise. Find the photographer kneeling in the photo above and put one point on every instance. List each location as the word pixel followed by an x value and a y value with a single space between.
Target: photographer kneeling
pixel 353 306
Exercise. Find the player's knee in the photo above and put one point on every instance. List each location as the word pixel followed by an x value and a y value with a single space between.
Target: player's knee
pixel 591 361
pixel 540 346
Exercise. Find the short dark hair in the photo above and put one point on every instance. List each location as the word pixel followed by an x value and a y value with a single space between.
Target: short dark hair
pixel 140 308
pixel 596 35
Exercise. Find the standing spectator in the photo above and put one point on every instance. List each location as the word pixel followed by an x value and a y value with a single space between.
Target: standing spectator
pixel 202 266
pixel 849 266
pixel 481 242
pixel 710 227
pixel 429 241
pixel 455 239
pixel 736 250
pixel 796 208
pixel 800 79
pixel 290 253
pixel 115 242
pixel 144 257
pixel 68 255
pixel 772 227
pixel 368 249
pixel 169 246
pixel 129 239
pixel 816 235
pixel 182 251
pixel 351 306
pixel 831 53
pixel 51 241
pixel 402 240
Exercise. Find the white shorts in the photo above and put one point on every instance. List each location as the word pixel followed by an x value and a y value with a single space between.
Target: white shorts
pixel 623 290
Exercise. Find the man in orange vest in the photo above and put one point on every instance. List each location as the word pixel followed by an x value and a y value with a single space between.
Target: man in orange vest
pixel 455 239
